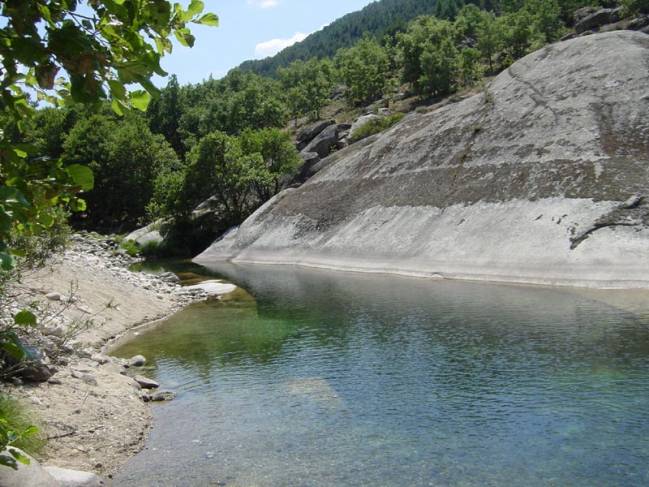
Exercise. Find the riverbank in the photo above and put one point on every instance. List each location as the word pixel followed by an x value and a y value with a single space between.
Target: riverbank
pixel 90 411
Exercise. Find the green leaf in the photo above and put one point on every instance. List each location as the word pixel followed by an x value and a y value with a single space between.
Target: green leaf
pixel 195 8
pixel 13 348
pixel 185 37
pixel 209 19
pixel 82 176
pixel 117 108
pixel 46 220
pixel 140 99
pixel 25 318
pixel 20 456
pixel 6 261
pixel 78 205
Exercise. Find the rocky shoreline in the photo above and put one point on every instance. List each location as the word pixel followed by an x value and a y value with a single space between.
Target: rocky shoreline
pixel 90 407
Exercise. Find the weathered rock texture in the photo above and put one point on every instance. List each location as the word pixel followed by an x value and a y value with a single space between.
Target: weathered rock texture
pixel 540 179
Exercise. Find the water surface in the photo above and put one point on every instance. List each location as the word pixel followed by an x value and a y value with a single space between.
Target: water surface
pixel 314 378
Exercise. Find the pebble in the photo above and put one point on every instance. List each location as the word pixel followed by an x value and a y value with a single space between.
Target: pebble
pixel 85 377
pixel 54 296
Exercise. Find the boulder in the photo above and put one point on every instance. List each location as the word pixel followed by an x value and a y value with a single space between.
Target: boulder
pixel 310 132
pixel 137 361
pixel 74 478
pixel 32 475
pixel 145 382
pixel 147 235
pixel 583 12
pixel 159 396
pixel 638 23
pixel 324 141
pixel 34 368
pixel 211 288
pixel 523 182
pixel 597 19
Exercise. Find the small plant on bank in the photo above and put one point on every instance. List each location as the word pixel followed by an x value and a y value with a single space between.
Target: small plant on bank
pixel 16 431
pixel 131 248
pixel 376 126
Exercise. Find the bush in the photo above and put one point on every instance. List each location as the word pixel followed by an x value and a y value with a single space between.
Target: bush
pixel 375 126
pixel 635 6
pixel 14 417
pixel 126 158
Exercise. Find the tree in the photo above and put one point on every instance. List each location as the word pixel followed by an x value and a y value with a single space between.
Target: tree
pixel 426 48
pixel 278 154
pixel 101 49
pixel 439 68
pixel 164 114
pixel 364 70
pixel 218 167
pixel 489 39
pixel 125 158
pixel 308 86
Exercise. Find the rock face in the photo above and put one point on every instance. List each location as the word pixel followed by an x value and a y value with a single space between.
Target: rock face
pixel 540 179
pixel 597 19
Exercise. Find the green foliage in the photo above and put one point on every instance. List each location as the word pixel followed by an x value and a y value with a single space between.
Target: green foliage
pixel 130 247
pixel 308 86
pixel 429 56
pixel 125 158
pixel 15 418
pixel 363 68
pixel 101 46
pixel 240 172
pixel 376 126
pixel 635 6
pixel 278 155
pixel 378 19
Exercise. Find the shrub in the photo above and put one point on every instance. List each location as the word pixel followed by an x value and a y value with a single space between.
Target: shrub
pixel 375 126
pixel 631 7
pixel 14 417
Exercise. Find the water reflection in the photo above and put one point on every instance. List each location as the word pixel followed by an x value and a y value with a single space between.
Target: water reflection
pixel 326 378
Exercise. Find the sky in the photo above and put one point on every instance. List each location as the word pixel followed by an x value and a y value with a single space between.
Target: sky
pixel 250 29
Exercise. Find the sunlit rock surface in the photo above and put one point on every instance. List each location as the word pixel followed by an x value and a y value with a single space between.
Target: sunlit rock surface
pixel 540 179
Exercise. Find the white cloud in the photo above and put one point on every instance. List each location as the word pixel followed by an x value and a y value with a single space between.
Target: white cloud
pixel 273 46
pixel 264 3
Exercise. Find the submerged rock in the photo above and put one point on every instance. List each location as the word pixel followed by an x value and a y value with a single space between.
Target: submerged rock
pixel 493 187
pixel 159 396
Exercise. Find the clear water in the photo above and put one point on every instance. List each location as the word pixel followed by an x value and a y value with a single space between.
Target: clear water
pixel 326 379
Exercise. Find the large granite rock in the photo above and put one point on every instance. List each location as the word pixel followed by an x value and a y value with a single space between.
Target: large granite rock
pixel 540 179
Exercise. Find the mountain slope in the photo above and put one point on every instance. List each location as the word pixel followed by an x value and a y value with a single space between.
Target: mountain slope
pixel 541 179
pixel 377 19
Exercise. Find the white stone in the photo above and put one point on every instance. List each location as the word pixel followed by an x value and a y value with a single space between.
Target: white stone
pixel 74 478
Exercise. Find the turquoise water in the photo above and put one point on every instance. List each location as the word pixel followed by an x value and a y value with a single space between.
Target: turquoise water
pixel 323 379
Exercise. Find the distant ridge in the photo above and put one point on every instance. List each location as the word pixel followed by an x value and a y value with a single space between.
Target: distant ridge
pixel 377 19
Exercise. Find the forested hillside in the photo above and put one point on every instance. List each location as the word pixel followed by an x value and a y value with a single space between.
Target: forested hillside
pixel 378 19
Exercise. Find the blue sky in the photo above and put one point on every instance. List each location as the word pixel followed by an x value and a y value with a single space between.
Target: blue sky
pixel 250 29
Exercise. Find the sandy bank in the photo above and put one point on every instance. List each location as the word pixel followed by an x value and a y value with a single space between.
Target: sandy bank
pixel 92 415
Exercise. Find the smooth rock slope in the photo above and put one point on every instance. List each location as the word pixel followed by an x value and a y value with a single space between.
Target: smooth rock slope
pixel 539 179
